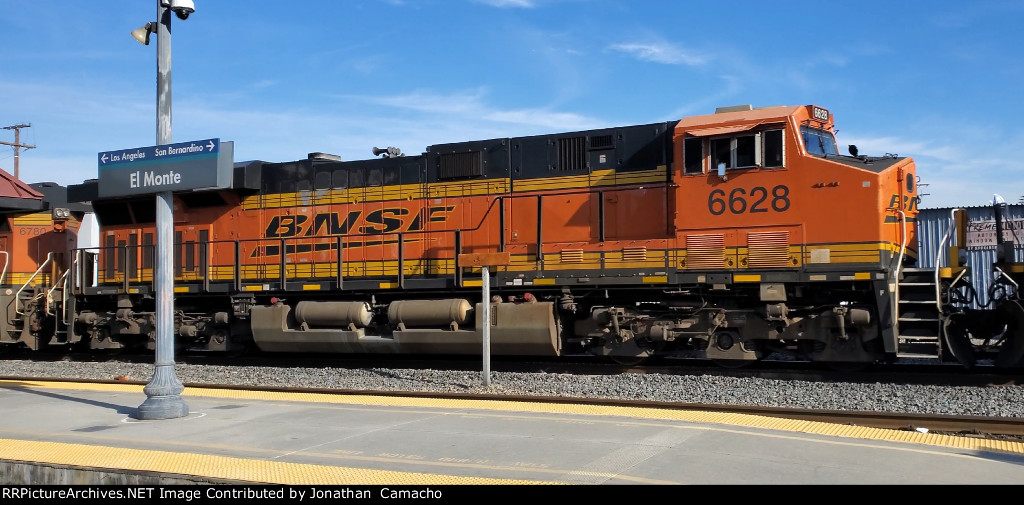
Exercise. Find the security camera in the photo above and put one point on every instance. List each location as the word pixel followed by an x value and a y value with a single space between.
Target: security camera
pixel 181 8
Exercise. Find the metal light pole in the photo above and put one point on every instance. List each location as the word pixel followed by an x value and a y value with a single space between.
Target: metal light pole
pixel 485 317
pixel 164 389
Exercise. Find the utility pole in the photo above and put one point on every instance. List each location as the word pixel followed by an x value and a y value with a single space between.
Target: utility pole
pixel 17 144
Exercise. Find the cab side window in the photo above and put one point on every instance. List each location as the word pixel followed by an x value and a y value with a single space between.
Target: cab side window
pixel 693 155
pixel 773 152
pixel 735 152
pixel 721 153
pixel 763 149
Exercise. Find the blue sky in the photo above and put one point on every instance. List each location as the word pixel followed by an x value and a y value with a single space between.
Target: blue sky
pixel 940 81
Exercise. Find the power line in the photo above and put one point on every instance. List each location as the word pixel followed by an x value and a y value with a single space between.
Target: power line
pixel 17 143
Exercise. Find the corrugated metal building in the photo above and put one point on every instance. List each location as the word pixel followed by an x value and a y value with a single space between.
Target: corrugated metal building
pixel 933 224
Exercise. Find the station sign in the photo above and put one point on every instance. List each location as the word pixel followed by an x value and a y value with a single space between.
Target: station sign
pixel 184 166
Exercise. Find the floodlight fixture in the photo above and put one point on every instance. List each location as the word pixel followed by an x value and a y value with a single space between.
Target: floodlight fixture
pixel 142 34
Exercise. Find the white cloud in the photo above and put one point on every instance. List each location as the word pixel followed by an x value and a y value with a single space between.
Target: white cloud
pixel 659 52
pixel 471 106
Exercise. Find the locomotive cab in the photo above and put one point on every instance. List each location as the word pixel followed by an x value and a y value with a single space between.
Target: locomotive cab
pixel 800 242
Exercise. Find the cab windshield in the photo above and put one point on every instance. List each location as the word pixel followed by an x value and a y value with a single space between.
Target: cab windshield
pixel 819 142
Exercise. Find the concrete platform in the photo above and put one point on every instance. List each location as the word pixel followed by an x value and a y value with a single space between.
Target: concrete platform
pixel 66 433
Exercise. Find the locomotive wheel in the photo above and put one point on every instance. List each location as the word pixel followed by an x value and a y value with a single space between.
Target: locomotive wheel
pixel 1012 349
pixel 238 352
pixel 11 349
pixel 847 366
pixel 732 363
pixel 625 351
pixel 628 360
pixel 726 343
pixel 110 352
pixel 957 338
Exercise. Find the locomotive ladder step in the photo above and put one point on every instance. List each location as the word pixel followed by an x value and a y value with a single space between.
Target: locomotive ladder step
pixel 918 338
pixel 917 313
pixel 922 355
pixel 929 350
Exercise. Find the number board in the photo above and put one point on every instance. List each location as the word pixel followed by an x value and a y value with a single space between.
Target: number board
pixel 820 113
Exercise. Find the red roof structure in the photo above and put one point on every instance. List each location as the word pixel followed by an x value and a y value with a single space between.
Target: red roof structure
pixel 16 196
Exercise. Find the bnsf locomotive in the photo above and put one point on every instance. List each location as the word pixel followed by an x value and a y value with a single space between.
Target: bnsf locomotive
pixel 732 235
pixel 38 240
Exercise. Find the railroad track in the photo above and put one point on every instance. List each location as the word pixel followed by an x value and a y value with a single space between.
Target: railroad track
pixel 897 373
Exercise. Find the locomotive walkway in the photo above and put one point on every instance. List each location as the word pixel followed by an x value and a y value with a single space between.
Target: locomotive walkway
pixel 85 433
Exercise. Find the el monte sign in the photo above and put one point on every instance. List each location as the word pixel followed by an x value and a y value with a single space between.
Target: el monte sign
pixel 198 164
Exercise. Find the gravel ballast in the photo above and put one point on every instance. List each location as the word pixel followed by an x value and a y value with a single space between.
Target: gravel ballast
pixel 999 401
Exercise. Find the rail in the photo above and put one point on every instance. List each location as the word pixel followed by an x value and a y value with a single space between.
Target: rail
pixel 17 296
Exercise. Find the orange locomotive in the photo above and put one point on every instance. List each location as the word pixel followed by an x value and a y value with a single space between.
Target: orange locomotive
pixel 734 234
pixel 38 238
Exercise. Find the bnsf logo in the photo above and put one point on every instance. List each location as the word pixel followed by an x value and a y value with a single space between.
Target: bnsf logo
pixel 909 202
pixel 820 113
pixel 391 220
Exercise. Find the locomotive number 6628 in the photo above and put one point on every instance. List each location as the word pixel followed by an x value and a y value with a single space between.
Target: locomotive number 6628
pixel 757 200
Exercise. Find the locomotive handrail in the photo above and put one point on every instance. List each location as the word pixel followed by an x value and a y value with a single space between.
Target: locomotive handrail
pixel 49 293
pixel 69 279
pixel 899 267
pixel 63 282
pixel 17 296
pixel 938 259
pixel 496 204
pixel 7 258
pixel 282 243
pixel 1002 273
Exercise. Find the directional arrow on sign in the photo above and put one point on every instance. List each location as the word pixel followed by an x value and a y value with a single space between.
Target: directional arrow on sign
pixel 103 158
pixel 210 145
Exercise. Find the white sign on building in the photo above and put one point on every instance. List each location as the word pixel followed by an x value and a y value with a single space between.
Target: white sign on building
pixel 982 234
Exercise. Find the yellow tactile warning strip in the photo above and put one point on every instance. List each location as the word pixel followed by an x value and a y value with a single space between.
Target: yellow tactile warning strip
pixel 223 468
pixel 814 427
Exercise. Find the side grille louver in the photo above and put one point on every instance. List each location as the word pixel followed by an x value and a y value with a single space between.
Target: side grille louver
pixel 705 251
pixel 634 254
pixel 768 249
pixel 571 256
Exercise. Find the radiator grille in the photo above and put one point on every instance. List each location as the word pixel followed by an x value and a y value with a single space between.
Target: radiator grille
pixel 768 249
pixel 601 142
pixel 572 153
pixel 456 165
pixel 705 251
